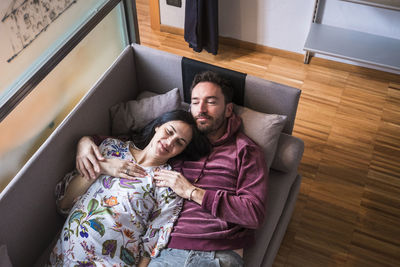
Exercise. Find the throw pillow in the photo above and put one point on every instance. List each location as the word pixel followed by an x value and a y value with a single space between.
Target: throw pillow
pixel 264 129
pixel 4 259
pixel 133 115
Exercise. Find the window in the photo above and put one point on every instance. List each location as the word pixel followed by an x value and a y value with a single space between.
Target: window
pixel 41 51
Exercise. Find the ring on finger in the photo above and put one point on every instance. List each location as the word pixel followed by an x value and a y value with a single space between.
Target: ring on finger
pixel 127 171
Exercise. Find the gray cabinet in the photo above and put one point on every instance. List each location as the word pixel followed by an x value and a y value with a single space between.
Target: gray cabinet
pixel 354 45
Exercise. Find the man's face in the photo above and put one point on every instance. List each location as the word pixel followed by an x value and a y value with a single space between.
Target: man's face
pixel 209 109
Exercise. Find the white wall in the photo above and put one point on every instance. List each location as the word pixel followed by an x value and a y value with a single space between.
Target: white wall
pixel 380 21
pixel 284 24
pixel 172 15
pixel 364 18
pixel 279 24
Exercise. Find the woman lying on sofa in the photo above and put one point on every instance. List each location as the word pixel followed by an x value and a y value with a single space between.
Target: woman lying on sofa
pixel 117 221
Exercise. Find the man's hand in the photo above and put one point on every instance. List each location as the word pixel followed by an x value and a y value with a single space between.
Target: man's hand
pixel 179 184
pixel 87 158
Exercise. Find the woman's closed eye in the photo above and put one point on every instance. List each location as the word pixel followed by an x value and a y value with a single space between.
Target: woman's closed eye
pixel 168 131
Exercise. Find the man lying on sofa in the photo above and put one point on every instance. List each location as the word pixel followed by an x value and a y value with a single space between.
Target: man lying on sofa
pixel 225 192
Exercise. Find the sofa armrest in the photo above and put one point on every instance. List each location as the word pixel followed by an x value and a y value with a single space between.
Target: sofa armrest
pixel 288 153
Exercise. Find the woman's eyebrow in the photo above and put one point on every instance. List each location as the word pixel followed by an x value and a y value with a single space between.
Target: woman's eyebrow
pixel 183 139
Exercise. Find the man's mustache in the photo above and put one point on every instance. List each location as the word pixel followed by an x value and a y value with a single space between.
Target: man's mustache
pixel 203 115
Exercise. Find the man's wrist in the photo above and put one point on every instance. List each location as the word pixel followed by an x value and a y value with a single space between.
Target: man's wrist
pixel 196 194
pixel 190 198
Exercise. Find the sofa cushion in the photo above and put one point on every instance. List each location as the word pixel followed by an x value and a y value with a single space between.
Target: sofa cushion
pixel 130 116
pixel 279 192
pixel 289 150
pixel 264 129
pixel 272 98
pixel 4 259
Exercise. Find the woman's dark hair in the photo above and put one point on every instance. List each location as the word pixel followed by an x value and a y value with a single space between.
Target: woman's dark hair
pixel 215 78
pixel 199 145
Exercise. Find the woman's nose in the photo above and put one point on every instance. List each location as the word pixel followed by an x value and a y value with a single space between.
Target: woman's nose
pixel 170 140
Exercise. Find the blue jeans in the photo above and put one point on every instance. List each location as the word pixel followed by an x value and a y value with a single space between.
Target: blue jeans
pixel 194 258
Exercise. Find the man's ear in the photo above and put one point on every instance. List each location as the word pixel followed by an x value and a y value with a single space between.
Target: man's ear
pixel 228 110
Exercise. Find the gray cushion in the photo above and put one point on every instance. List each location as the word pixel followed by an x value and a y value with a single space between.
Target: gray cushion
pixel 289 151
pixel 279 187
pixel 264 129
pixel 272 98
pixel 4 259
pixel 133 115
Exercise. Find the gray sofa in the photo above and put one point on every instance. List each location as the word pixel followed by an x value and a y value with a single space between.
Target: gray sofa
pixel 29 221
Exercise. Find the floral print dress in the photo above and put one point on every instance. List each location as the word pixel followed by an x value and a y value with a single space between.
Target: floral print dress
pixel 117 220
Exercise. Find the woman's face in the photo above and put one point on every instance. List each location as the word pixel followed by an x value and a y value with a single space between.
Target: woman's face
pixel 171 138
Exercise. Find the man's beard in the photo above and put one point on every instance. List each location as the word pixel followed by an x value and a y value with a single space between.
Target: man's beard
pixel 214 124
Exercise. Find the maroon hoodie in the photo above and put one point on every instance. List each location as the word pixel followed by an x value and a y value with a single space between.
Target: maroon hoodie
pixel 234 176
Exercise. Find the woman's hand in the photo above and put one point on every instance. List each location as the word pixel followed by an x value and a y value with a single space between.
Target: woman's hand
pixel 179 184
pixel 122 168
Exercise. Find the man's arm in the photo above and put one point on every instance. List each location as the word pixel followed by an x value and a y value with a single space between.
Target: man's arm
pixel 89 161
pixel 247 206
pixel 87 158
pixel 178 183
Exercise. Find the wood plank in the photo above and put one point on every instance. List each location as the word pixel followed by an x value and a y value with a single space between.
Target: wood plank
pixel 348 208
pixel 154 14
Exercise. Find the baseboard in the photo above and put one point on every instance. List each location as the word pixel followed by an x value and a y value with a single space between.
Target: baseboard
pixel 241 44
pixel 170 29
pixel 261 48
pixel 294 56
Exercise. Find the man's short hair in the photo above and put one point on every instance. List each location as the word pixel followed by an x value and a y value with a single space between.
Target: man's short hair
pixel 213 77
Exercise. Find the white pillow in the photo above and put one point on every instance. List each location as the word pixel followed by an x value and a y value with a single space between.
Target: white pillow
pixel 264 129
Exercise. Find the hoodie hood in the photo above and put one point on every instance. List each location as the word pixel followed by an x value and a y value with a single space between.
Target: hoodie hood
pixel 232 128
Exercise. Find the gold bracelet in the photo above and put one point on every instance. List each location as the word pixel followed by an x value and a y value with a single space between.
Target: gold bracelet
pixel 191 193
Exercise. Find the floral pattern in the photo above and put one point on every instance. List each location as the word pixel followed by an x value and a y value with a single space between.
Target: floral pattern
pixel 117 220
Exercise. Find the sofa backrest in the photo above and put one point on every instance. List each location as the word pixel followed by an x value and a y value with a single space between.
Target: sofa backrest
pixel 158 71
pixel 29 221
pixel 161 71
pixel 272 98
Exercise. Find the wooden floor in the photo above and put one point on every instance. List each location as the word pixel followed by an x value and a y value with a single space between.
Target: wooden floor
pixel 348 209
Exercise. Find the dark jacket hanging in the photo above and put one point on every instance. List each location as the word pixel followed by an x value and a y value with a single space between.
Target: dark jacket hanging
pixel 201 25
